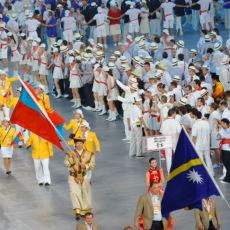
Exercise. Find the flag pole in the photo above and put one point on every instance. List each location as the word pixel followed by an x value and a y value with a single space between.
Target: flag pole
pixel 213 180
pixel 44 113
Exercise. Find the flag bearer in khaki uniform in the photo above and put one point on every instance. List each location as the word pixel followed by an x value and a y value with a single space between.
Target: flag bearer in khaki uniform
pixel 7 135
pixel 42 150
pixel 79 162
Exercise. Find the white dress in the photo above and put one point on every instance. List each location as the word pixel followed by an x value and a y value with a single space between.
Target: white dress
pixel 23 48
pixel 96 82
pixel 35 66
pixel 7 152
pixel 146 113
pixel 75 79
pixel 213 125
pixel 43 65
pixel 112 91
pixel 144 25
pixel 102 91
pixel 58 73
pixel 14 54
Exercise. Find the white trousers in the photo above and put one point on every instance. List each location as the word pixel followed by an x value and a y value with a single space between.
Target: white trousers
pixel 168 156
pixel 42 171
pixel 125 121
pixel 135 142
pixel 205 155
pixel 178 24
pixel 155 27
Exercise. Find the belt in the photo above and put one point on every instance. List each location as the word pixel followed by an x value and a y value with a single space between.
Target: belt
pixel 145 111
pixel 104 83
pixel 134 20
pixel 2 45
pixel 97 81
pixel 44 63
pixel 68 29
pixel 74 74
pixel 12 52
pixel 100 25
pixel 167 15
pixel 58 66
pixel 203 11
pixel 223 142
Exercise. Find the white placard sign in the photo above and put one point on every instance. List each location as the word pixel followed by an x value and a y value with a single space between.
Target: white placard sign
pixel 158 142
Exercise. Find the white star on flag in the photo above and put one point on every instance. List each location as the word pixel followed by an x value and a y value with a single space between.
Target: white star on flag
pixel 195 177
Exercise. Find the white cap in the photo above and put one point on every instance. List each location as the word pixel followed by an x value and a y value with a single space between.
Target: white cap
pixel 79 111
pixel 165 31
pixel 59 5
pixel 93 4
pixel 43 45
pixel 183 101
pixel 129 37
pixel 96 66
pixel 85 124
pixel 176 78
pixel 180 43
pixel 118 53
pixel 41 87
pixel 106 68
pixel 34 44
pixel 193 51
pixel 191 67
pixel 217 45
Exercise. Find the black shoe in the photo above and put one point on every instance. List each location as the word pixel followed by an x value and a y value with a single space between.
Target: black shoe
pixel 20 146
pixel 40 184
pixel 47 184
pixel 8 173
pixel 77 217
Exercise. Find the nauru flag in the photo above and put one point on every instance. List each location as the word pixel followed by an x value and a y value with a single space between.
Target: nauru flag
pixel 32 114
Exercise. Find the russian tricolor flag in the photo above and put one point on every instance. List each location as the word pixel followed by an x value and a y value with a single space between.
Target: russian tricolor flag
pixel 32 114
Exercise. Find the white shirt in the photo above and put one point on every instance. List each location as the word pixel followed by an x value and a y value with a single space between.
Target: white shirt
pixel 171 127
pixel 204 4
pixel 100 19
pixel 226 114
pixel 156 208
pixel 32 24
pixel 135 114
pixel 168 7
pixel 201 130
pixel 69 23
pixel 133 14
pixel 215 115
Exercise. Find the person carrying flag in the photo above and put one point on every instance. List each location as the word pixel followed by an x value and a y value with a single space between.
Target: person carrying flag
pixel 42 150
pixel 7 135
pixel 78 163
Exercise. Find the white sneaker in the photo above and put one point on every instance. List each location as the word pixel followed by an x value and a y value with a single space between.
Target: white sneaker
pixel 72 100
pixel 125 139
pixel 103 112
pixel 222 177
pixel 224 182
pixel 65 95
pixel 112 119
pixel 58 96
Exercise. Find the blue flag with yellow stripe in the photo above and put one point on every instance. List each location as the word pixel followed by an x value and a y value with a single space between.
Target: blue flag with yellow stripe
pixel 188 181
